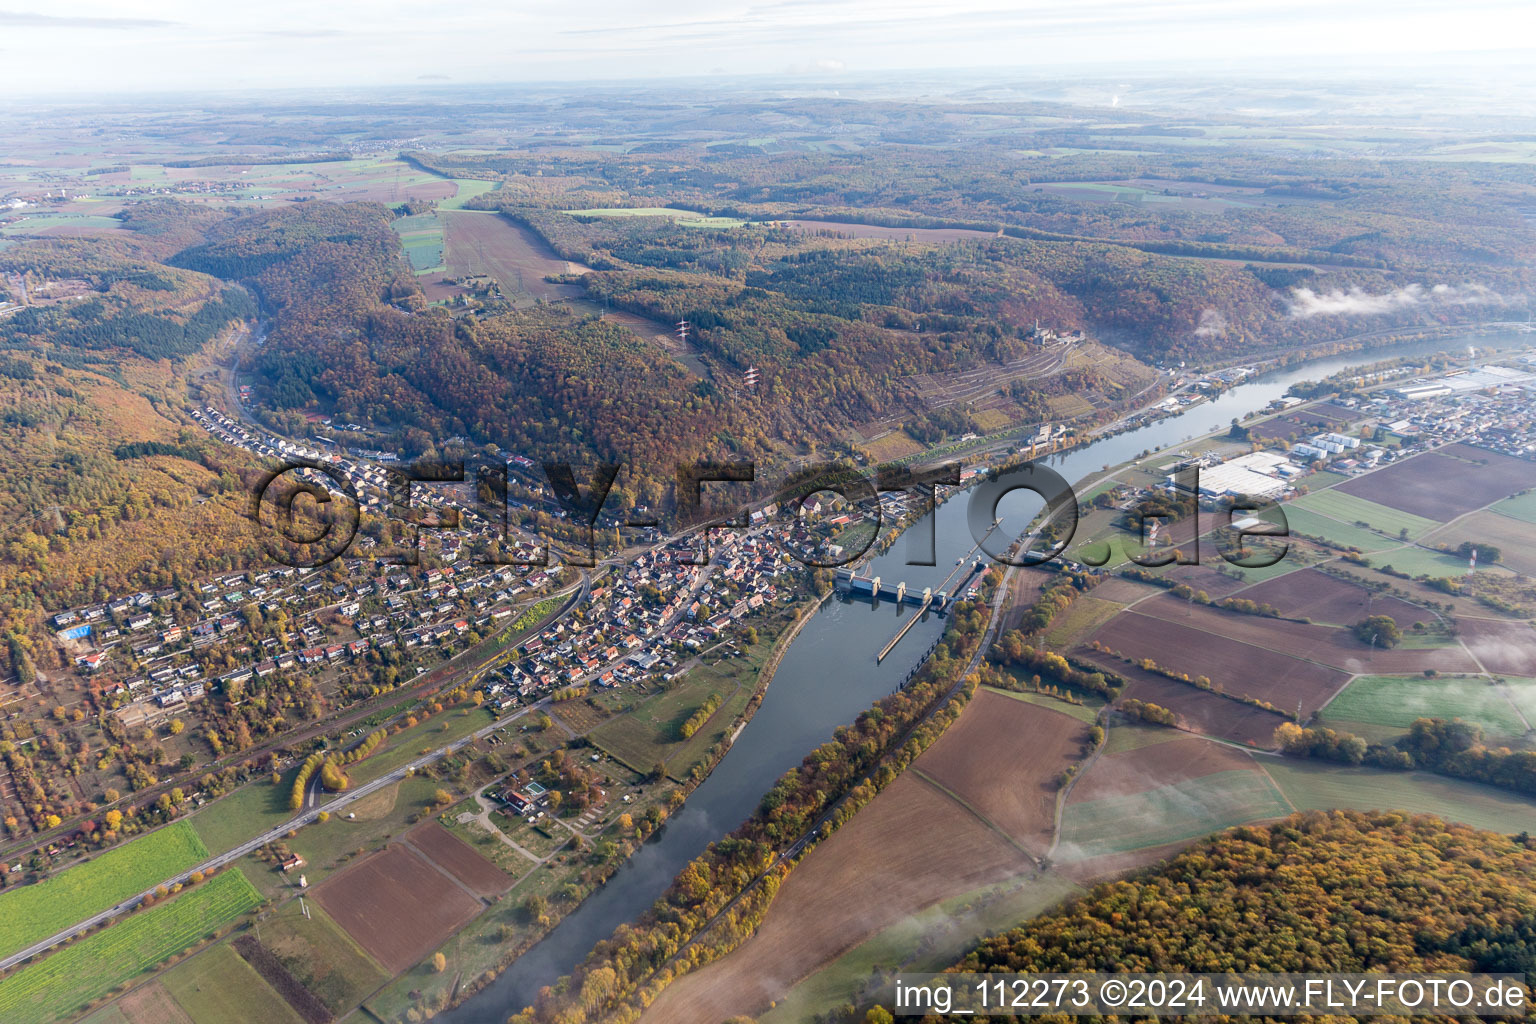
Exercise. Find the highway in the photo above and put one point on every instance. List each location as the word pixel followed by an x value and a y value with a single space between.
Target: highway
pixel 271 835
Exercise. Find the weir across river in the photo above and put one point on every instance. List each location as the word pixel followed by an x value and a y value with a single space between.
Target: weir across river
pixel 930 598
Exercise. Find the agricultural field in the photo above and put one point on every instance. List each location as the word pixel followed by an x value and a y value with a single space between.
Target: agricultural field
pixel 1152 757
pixel 1293 426
pixel 54 224
pixel 453 855
pixel 910 847
pixel 480 243
pixel 1079 620
pixel 687 218
pixel 367 179
pixel 1166 789
pixel 937 937
pixel 1310 785
pixel 1305 522
pixel 1210 713
pixel 31 913
pixel 1199 641
pixel 1168 814
pixel 1515 539
pixel 333 846
pixel 1320 478
pixel 1331 646
pixel 1521 507
pixel 1446 483
pixel 1087 714
pixel 959 818
pixel 396 905
pixel 218 987
pixel 1522 694
pixel 1417 561
pixel 430 734
pixel 421 236
pixel 1014 787
pixel 90 967
pixel 928 941
pixel 465 190
pixel 892 445
pixel 1345 507
pixel 323 957
pixel 1323 598
pixel 147 1004
pixel 1395 701
pixel 1501 646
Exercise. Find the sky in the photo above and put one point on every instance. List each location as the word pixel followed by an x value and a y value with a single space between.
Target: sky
pixel 70 46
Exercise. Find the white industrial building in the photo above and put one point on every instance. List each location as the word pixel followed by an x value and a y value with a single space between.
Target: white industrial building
pixel 1258 475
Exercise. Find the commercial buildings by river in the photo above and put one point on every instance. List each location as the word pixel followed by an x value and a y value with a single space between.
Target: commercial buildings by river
pixel 829 675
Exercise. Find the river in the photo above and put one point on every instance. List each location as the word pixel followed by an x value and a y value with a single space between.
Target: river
pixel 829 675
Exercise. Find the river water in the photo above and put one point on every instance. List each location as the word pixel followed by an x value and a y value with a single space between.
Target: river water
pixel 829 675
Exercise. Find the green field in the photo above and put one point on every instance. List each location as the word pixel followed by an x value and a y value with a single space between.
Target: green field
pixel 1078 621
pixel 322 956
pixel 1349 509
pixel 1522 692
pixel 1310 785
pixel 1396 701
pixel 1422 562
pixel 1303 521
pixel 1168 814
pixel 687 218
pixel 469 188
pixel 648 734
pixel 38 222
pixel 248 811
pixel 80 973
pixel 219 987
pixel 31 913
pixel 636 211
pixel 422 238
pixel 1321 478
pixel 1521 507
pixel 405 746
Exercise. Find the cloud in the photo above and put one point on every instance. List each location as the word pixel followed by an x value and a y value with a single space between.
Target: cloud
pixel 434 78
pixel 302 33
pixel 1357 301
pixel 821 66
pixel 26 19
pixel 1212 324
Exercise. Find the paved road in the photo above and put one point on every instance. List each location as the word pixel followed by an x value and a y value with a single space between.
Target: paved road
pixel 272 835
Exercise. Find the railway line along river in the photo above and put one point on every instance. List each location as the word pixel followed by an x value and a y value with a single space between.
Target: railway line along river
pixel 829 675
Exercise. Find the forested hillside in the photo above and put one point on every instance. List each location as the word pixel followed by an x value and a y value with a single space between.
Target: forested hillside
pixel 107 481
pixel 1222 230
pixel 1318 892
pixel 350 337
